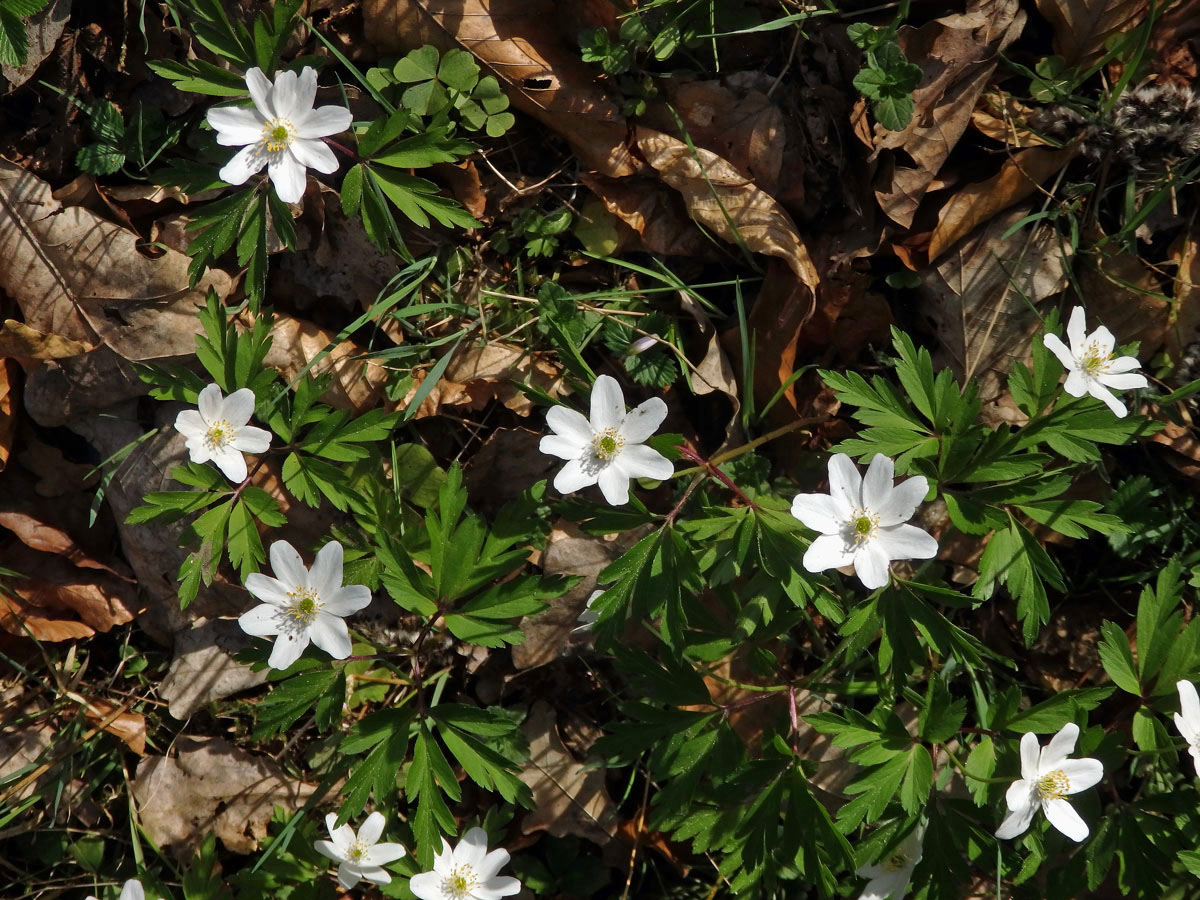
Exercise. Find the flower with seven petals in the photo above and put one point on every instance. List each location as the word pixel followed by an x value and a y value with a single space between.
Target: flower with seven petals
pixel 466 872
pixel 1187 720
pixel 302 605
pixel 282 132
pixel 359 856
pixel 889 877
pixel 861 520
pixel 217 430
pixel 131 890
pixel 609 448
pixel 1047 779
pixel 1091 368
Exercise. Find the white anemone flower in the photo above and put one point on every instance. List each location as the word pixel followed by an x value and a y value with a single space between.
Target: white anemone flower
pixel 301 605
pixel 1187 720
pixel 609 448
pixel 1047 779
pixel 282 132
pixel 217 430
pixel 130 890
pixel 861 520
pixel 359 856
pixel 889 877
pixel 1091 368
pixel 588 617
pixel 466 872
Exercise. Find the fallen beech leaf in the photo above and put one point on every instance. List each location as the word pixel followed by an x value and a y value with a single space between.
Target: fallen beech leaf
pixel 518 40
pixel 1002 117
pixel 18 339
pixel 204 670
pixel 42 31
pixel 1184 323
pixel 971 206
pixel 653 210
pixel 568 799
pixel 211 785
pixel 477 375
pixel 34 532
pixel 713 372
pixel 8 415
pixel 1082 26
pixel 81 277
pixel 128 726
pixel 958 54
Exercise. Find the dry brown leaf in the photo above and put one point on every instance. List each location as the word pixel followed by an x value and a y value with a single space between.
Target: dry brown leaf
pixel 519 41
pixel 653 210
pixel 477 375
pixel 1082 26
pixel 203 669
pixel 37 533
pixel 1002 117
pixel 211 785
pixel 1184 323
pixel 8 414
pixel 958 54
pixel 1125 294
pixel 42 30
pixel 971 206
pixel 128 726
pixel 568 799
pixel 18 339
pixel 79 276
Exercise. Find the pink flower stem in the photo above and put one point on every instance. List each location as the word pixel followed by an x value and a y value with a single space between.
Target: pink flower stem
pixel 714 472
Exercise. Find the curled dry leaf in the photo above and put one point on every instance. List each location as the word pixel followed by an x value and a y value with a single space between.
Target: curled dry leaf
pixel 958 54
pixel 519 41
pixel 79 276
pixel 568 799
pixel 971 206
pixel 130 727
pixel 8 414
pixel 1002 117
pixel 1081 27
pixel 211 785
pixel 653 210
pixel 477 375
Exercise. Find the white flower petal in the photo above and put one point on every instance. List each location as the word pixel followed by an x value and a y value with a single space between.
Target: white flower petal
pixel 1124 364
pixel 500 886
pixel 231 463
pixel 608 403
pixel 375 874
pixel 1082 773
pixel 210 403
pixel 239 407
pixel 877 484
pixel 1195 751
pixel 1123 381
pixel 1077 330
pixel 236 126
pixel 267 589
pixel 341 835
pixel 348 875
pixel 323 122
pixel 306 95
pixel 569 424
pixel 314 154
pixel 1188 718
pixel 262 621
pixel 133 890
pixel 251 439
pixel 845 484
pixel 829 551
pixel 286 94
pixel 902 502
pixel 1100 392
pixel 325 576
pixel 1060 747
pixel 471 849
pixel 287 565
pixel 1062 816
pixel 642 461
pixel 1077 382
pixel 347 600
pixel 191 424
pixel 562 447
pixel 1016 821
pixel 1104 340
pixel 327 848
pixel 1031 754
pixel 906 542
pixel 289 647
pixel 614 485
pixel 245 163
pixel 260 91
pixel 426 886
pixel 331 635
pixel 822 513
pixel 372 829
pixel 492 864
pixel 889 886
pixel 287 175
pixel 1055 345
pixel 574 476
pixel 871 565
pixel 382 854
pixel 641 422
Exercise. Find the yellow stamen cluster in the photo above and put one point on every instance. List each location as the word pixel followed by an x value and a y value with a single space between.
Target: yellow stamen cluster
pixel 356 851
pixel 1053 785
pixel 304 605
pixel 459 882
pixel 1094 360
pixel 219 435
pixel 864 525
pixel 277 134
pixel 607 444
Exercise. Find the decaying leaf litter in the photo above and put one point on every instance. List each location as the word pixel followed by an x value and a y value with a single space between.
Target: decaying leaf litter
pixel 742 200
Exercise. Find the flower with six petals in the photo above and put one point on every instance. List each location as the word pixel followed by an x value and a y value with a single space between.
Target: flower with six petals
pixel 359 856
pixel 281 131
pixel 217 430
pixel 301 605
pixel 1091 368
pixel 861 520
pixel 1047 779
pixel 608 449
pixel 466 872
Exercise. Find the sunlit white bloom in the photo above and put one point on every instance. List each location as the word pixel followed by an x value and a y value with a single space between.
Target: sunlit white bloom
pixel 588 617
pixel 359 856
pixel 131 890
pixel 1187 720
pixel 466 872
pixel 282 132
pixel 889 877
pixel 609 448
pixel 1091 368
pixel 217 430
pixel 1047 779
pixel 861 520
pixel 301 605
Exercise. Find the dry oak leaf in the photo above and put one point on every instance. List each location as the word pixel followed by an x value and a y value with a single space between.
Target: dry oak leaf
pixel 211 785
pixel 959 54
pixel 568 799
pixel 519 41
pixel 8 415
pixel 971 206
pixel 653 210
pixel 18 339
pixel 79 276
pixel 1082 26
pixel 128 726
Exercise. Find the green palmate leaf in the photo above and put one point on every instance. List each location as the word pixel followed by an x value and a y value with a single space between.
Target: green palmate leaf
pixel 420 200
pixel 100 159
pixel 1014 558
pixel 14 45
pixel 428 777
pixel 1051 715
pixel 1117 659
pixel 292 698
pixel 376 774
pixel 200 77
